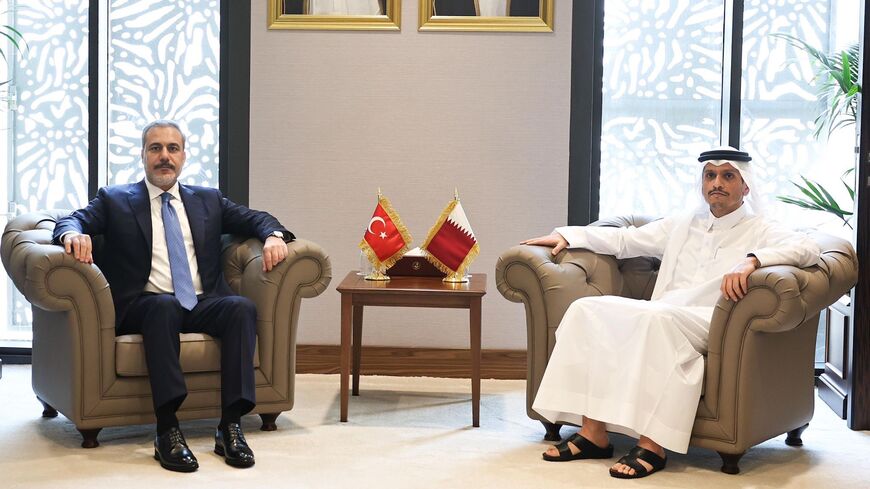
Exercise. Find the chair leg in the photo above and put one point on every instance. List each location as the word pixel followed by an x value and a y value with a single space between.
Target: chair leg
pixel 89 437
pixel 794 436
pixel 552 431
pixel 47 410
pixel 730 461
pixel 269 421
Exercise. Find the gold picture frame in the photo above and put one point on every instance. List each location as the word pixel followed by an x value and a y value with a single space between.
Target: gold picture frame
pixel 304 15
pixel 469 16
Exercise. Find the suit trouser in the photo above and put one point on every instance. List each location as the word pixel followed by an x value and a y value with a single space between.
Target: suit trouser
pixel 159 318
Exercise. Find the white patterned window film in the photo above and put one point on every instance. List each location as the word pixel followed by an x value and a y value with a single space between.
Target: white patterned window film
pixel 50 141
pixel 45 134
pixel 163 64
pixel 661 101
pixel 779 106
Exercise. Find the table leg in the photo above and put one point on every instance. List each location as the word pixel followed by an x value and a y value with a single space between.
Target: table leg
pixel 357 346
pixel 344 360
pixel 475 360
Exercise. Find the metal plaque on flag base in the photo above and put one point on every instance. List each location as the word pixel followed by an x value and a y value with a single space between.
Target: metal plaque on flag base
pixel 378 275
pixel 456 278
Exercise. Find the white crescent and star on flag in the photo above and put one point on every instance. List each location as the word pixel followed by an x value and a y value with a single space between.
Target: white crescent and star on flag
pixel 375 219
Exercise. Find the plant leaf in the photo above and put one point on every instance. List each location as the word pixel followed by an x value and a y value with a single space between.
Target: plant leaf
pixel 815 191
pixel 850 190
pixel 829 198
pixel 799 203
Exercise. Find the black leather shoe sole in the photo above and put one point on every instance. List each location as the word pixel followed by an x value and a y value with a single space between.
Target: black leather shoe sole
pixel 235 462
pixel 176 467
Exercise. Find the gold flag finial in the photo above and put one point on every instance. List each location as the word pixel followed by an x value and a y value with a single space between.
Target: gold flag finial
pixel 379 193
pixel 455 193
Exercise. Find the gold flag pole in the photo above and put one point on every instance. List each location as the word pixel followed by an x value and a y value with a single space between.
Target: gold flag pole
pixel 459 276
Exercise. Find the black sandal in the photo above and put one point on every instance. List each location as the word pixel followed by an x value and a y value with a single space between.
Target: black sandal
pixel 587 450
pixel 631 459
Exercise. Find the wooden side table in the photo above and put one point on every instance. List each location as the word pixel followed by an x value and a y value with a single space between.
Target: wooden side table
pixel 357 292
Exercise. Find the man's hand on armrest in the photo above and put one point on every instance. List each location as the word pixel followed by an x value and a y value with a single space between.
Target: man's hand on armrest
pixel 80 246
pixel 735 283
pixel 274 252
pixel 555 240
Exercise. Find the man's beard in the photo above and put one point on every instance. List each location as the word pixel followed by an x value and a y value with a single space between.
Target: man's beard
pixel 159 179
pixel 162 180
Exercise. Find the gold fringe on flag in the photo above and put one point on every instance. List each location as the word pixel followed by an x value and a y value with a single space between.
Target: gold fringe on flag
pixel 400 226
pixel 472 254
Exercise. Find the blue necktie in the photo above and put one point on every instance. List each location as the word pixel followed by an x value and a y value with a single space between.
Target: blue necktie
pixel 178 264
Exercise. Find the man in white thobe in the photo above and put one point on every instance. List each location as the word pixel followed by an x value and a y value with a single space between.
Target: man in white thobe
pixel 636 367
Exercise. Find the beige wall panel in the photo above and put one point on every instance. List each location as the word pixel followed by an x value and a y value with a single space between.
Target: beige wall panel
pixel 335 115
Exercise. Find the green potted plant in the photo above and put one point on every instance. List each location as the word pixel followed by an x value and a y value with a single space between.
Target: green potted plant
pixel 837 79
pixel 14 37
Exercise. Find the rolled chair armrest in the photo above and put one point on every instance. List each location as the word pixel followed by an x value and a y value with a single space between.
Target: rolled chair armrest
pixel 766 337
pixel 782 297
pixel 277 295
pixel 547 285
pixel 306 267
pixel 531 273
pixel 47 276
pixel 774 303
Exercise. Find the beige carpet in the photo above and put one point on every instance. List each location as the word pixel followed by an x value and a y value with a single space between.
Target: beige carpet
pixel 402 432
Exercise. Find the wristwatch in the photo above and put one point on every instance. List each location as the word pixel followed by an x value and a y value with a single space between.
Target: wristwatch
pixel 278 234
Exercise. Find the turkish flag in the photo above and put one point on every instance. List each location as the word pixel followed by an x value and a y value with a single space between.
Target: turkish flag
pixel 385 239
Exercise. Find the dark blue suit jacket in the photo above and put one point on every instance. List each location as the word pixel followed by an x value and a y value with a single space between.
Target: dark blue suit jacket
pixel 121 214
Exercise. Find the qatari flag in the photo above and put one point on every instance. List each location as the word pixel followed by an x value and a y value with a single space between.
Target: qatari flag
pixel 451 244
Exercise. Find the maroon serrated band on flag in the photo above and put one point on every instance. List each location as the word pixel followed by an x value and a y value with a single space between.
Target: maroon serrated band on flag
pixel 450 245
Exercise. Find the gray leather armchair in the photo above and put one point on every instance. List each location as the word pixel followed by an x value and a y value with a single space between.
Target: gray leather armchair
pixel 82 370
pixel 759 368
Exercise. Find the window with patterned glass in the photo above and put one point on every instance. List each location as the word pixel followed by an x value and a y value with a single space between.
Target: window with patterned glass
pixel 780 103
pixel 46 130
pixel 662 101
pixel 163 62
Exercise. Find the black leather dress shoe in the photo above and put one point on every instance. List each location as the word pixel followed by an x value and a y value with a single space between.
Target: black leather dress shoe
pixel 172 452
pixel 230 443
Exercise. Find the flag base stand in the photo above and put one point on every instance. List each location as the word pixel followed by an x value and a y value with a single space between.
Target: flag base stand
pixel 378 276
pixel 455 278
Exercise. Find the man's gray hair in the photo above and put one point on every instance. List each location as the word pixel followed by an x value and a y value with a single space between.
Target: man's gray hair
pixel 164 123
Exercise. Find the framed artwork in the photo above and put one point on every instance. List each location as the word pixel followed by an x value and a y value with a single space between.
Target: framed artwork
pixel 335 14
pixel 486 15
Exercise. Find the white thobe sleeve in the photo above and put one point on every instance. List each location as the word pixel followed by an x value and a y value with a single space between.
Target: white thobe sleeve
pixel 648 240
pixel 780 246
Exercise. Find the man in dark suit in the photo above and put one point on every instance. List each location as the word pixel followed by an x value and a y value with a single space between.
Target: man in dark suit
pixel 161 256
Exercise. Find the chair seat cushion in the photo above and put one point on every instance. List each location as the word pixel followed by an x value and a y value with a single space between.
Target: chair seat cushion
pixel 199 353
